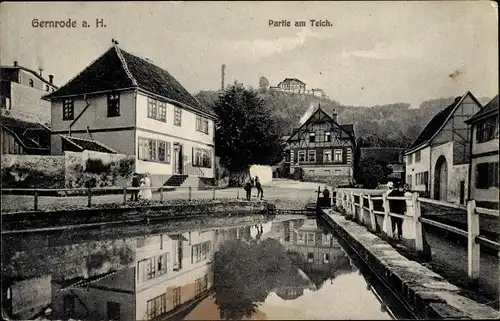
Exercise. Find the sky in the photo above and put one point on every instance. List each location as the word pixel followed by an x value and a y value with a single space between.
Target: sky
pixel 373 53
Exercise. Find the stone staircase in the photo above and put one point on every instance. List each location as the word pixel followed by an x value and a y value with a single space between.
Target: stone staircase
pixel 175 180
pixel 182 181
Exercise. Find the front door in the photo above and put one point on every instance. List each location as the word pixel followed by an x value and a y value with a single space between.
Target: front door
pixel 441 179
pixel 178 159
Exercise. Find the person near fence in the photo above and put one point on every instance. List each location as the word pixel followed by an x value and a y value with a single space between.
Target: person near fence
pixel 148 194
pixel 248 189
pixel 260 191
pixel 135 183
pixel 397 207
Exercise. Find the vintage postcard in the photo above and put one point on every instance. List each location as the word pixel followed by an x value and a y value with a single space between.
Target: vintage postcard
pixel 256 160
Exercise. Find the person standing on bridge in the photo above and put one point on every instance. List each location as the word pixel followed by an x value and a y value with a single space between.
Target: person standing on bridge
pixel 397 207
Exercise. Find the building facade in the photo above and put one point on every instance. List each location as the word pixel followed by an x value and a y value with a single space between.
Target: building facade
pixel 138 109
pixel 321 147
pixel 437 163
pixel 484 155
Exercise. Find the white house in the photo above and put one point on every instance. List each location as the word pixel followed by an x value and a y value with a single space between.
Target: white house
pixel 438 161
pixel 484 155
pixel 130 105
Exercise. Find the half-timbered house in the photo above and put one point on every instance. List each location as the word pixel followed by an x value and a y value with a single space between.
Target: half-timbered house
pixel 322 148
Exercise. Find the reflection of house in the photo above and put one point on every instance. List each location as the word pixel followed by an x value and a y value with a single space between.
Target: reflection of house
pixel 388 156
pixel 318 254
pixel 136 108
pixel 21 92
pixel 23 137
pixel 321 147
pixel 169 273
pixel 484 155
pixel 438 160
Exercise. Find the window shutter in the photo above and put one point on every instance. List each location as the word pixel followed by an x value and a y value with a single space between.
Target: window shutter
pixel 344 155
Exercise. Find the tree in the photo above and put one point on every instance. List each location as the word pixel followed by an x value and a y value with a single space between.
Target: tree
pixel 371 173
pixel 246 132
pixel 263 84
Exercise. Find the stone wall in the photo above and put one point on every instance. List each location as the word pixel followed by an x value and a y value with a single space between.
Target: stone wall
pixel 32 171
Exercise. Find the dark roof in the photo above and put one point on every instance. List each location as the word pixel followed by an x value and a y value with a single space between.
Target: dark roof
pixel 24 131
pixel 348 129
pixel 490 108
pixel 435 124
pixel 87 144
pixel 291 79
pixel 30 71
pixel 117 69
pixel 387 155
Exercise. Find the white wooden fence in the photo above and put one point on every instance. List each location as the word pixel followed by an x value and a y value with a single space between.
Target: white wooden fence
pixel 366 215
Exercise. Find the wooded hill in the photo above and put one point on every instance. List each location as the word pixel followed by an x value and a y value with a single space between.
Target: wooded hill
pixel 392 125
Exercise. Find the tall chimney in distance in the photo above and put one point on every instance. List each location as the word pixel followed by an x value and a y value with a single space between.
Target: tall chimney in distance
pixel 51 79
pixel 223 75
pixel 334 115
pixel 40 69
pixel 15 63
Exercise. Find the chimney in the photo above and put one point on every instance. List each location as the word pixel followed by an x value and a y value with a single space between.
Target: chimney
pixel 223 74
pixel 51 79
pixel 40 69
pixel 15 63
pixel 334 115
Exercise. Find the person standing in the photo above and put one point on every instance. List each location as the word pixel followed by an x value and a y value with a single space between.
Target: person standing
pixel 148 195
pixel 248 189
pixel 260 191
pixel 397 207
pixel 135 184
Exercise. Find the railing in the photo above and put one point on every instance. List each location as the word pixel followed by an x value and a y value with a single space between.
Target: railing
pixel 364 212
pixel 81 197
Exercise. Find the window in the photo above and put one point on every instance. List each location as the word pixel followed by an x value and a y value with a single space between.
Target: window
pixel 487 130
pixel 337 156
pixel 156 306
pixel 312 137
pixel 310 239
pixel 327 155
pixel 300 237
pixel 326 258
pixel 202 157
pixel 328 137
pixel 176 300
pixel 157 110
pixel 31 82
pixel 301 156
pixel 487 175
pixel 162 264
pixel 68 109
pixel 200 252
pixel 408 180
pixel 311 156
pixel 326 239
pixel 154 150
pixel 113 105
pixel 310 257
pixel 409 159
pixel 202 124
pixel 178 116
pixel 417 157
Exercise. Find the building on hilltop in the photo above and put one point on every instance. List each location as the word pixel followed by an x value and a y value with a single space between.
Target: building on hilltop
pixel 484 155
pixel 134 107
pixel 438 160
pixel 294 85
pixel 322 149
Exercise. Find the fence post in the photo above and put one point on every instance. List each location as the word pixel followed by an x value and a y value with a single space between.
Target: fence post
pixel 189 193
pixel 124 195
pixel 417 225
pixel 213 195
pixel 473 252
pixel 361 209
pixel 373 220
pixel 238 194
pixel 161 194
pixel 387 218
pixel 89 193
pixel 35 201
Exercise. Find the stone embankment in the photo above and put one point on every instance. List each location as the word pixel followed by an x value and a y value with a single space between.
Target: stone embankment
pixel 23 221
pixel 427 293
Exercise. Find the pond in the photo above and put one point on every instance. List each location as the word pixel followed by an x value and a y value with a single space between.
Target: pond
pixel 234 269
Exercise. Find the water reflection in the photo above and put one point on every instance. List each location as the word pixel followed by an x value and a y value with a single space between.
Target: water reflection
pixel 250 271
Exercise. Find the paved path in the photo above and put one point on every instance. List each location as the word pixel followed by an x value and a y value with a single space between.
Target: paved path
pixel 287 195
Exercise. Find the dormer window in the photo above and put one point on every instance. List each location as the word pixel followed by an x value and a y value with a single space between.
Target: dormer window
pixel 68 109
pixel 312 137
pixel 328 137
pixel 113 105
